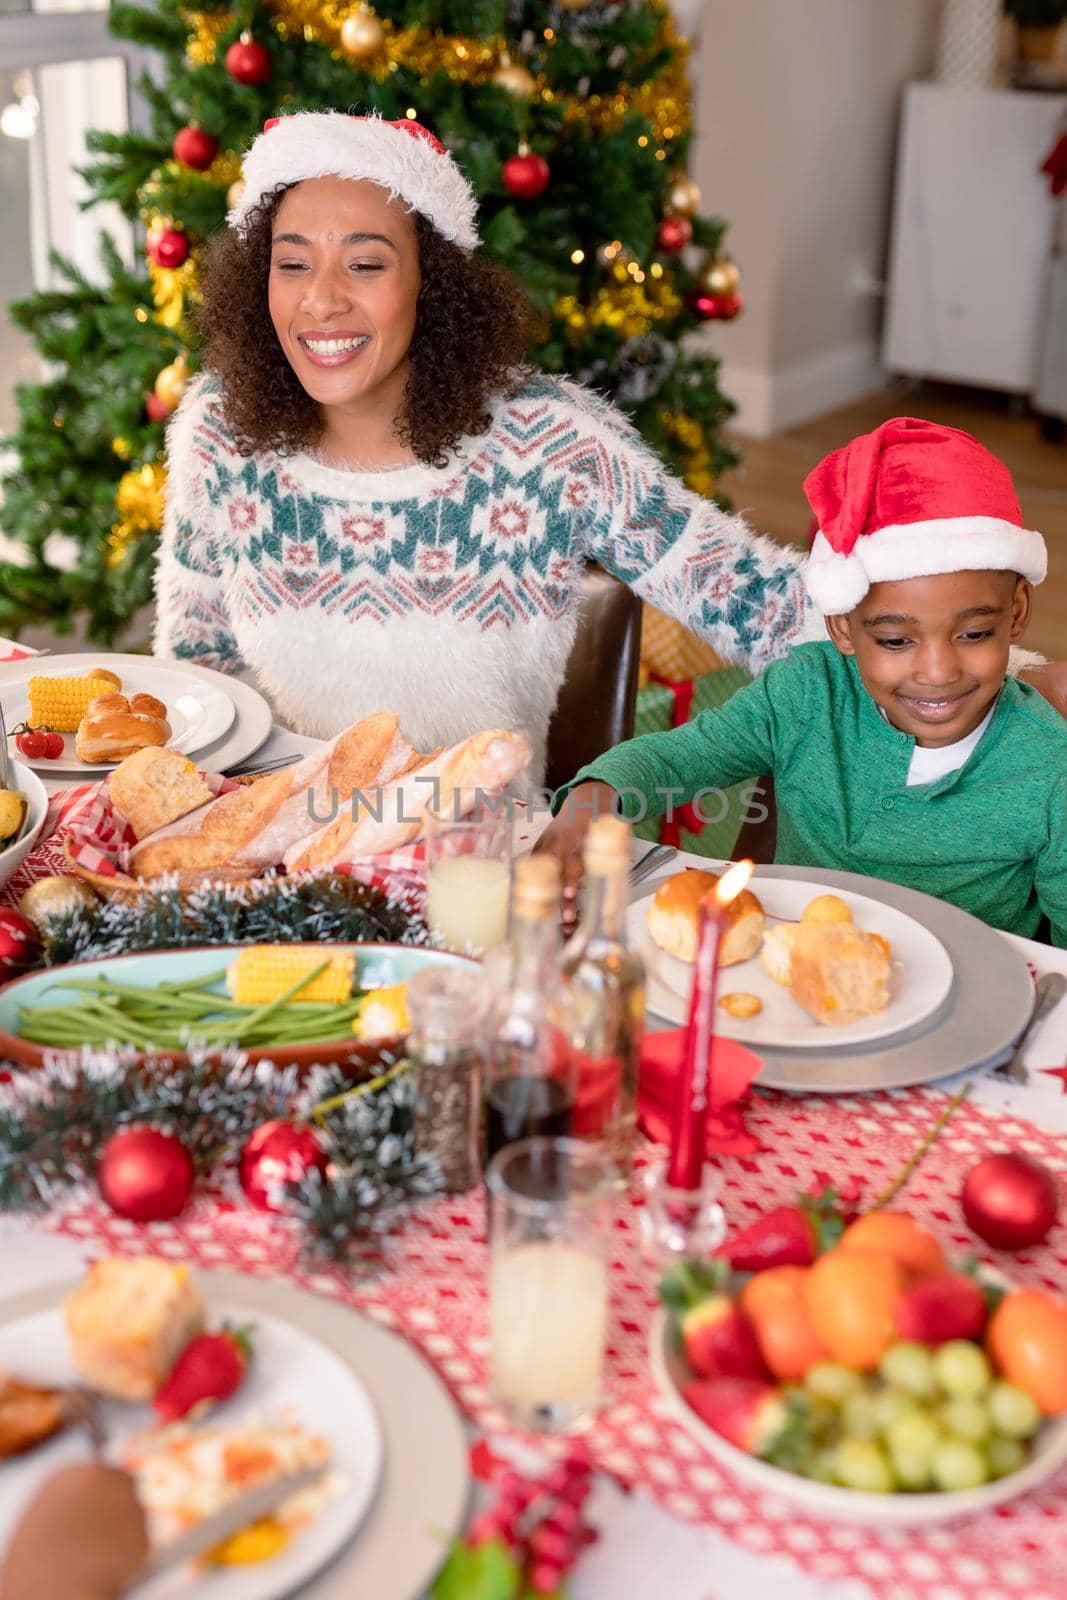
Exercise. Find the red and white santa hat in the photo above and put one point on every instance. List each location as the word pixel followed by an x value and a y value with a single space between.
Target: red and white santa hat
pixel 909 500
pixel 404 157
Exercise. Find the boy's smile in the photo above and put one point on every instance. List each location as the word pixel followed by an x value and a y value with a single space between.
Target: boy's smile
pixel 933 652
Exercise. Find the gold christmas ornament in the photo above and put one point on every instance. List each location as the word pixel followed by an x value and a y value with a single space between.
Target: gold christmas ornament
pixel 684 196
pixel 362 35
pixel 139 503
pixel 55 897
pixel 121 447
pixel 170 384
pixel 719 276
pixel 234 193
pixel 514 77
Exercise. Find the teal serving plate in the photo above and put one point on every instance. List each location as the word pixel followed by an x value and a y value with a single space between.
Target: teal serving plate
pixel 377 965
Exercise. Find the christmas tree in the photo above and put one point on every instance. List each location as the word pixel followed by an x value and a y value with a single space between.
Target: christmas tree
pixel 570 117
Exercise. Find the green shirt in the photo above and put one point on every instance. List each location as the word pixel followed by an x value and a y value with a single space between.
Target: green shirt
pixel 990 837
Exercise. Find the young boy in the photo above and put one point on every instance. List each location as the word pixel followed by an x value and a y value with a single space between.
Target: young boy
pixel 900 748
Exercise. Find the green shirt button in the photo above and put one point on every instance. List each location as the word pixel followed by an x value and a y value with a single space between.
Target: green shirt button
pixel 887 804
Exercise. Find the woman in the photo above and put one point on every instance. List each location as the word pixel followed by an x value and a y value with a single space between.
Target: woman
pixel 373 505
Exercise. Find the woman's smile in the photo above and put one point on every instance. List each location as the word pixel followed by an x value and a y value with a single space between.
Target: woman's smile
pixel 332 349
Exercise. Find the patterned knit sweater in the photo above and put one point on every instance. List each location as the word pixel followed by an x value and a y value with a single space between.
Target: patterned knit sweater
pixel 448 595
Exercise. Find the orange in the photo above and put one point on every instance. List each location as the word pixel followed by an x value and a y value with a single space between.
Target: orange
pixel 895 1234
pixel 775 1302
pixel 1027 1343
pixel 852 1295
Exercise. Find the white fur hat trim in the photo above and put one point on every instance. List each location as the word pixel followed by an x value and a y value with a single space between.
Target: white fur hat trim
pixel 329 144
pixel 837 583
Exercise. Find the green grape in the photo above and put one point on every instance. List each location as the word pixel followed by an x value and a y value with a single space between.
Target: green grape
pixel 910 1367
pixel 1013 1412
pixel 830 1381
pixel 912 1437
pixel 962 1369
pixel 967 1419
pixel 889 1405
pixel 958 1465
pixel 1005 1455
pixel 862 1465
pixel 859 1417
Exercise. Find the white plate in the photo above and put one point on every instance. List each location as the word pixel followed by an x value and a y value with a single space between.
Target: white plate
pixel 290 1369
pixel 199 705
pixel 826 1501
pixel 919 982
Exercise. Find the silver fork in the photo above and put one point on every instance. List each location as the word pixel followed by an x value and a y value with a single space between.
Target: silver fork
pixel 1048 990
pixel 5 759
pixel 82 1408
pixel 651 861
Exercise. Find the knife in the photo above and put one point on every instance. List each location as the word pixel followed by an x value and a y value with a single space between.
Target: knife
pixel 238 1514
pixel 1048 991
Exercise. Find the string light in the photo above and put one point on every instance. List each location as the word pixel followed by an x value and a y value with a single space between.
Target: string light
pixel 577 256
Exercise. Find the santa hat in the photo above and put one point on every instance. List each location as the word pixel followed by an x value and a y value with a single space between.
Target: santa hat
pixel 403 157
pixel 909 500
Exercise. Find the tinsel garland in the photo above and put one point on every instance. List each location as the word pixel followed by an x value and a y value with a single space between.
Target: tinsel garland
pixel 335 910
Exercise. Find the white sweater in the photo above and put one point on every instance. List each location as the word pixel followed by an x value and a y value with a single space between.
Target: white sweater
pixel 447 595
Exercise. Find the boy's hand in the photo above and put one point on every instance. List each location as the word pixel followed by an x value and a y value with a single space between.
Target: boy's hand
pixel 83 1537
pixel 565 836
pixel 1050 681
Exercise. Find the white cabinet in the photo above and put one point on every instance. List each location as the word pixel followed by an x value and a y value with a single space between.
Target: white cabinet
pixel 972 236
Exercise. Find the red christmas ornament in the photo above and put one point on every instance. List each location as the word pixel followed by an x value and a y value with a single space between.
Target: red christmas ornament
pixel 18 941
pixel 674 234
pixel 276 1154
pixel 526 175
pixel 156 410
pixel 145 1175
pixel 168 248
pixel 1010 1201
pixel 194 148
pixel 248 62
pixel 715 307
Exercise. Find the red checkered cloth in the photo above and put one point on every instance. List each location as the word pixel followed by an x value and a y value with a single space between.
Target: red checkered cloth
pixel 100 837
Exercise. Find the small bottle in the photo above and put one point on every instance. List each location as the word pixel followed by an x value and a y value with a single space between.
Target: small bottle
pixel 606 984
pixel 529 1086
pixel 447 1007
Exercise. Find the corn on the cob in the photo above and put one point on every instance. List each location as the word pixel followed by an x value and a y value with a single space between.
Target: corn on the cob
pixel 264 971
pixel 60 703
pixel 383 1014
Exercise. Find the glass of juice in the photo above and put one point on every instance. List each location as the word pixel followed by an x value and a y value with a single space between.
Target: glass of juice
pixel 551 1204
pixel 468 875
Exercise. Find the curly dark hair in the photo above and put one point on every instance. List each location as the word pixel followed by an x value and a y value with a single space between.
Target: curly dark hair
pixel 471 328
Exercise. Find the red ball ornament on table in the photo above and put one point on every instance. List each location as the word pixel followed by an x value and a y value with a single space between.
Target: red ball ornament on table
pixel 18 942
pixel 715 307
pixel 1010 1201
pixel 249 62
pixel 526 175
pixel 194 148
pixel 674 234
pixel 156 410
pixel 168 248
pixel 145 1175
pixel 276 1154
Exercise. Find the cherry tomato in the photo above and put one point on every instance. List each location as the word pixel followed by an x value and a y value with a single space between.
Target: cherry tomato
pixel 32 744
pixel 53 746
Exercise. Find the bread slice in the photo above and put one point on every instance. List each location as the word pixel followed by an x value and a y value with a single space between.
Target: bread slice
pixel 153 787
pixel 838 973
pixel 209 840
pixel 674 918
pixel 128 1323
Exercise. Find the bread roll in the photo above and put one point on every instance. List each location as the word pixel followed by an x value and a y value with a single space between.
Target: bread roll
pixel 673 919
pixel 839 974
pixel 114 727
pixel 129 1321
pixel 776 953
pixel 826 908
pixel 153 787
pixel 206 842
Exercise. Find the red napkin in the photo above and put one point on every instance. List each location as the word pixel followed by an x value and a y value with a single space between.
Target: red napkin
pixel 733 1068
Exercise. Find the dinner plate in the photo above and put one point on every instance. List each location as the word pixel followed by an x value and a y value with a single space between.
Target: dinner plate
pixel 425 1479
pixel 292 1377
pixel 920 975
pixel 200 708
pixel 827 1501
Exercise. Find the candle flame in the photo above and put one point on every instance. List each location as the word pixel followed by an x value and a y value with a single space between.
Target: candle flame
pixel 733 882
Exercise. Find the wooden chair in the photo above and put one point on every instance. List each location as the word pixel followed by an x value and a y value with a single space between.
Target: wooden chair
pixel 757 840
pixel 597 701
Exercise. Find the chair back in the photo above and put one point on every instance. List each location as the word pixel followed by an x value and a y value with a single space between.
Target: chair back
pixel 757 840
pixel 598 697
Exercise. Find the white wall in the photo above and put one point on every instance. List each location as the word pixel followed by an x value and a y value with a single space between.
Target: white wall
pixel 796 108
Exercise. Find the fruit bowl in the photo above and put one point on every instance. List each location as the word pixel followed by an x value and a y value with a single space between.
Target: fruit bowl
pixel 828 1502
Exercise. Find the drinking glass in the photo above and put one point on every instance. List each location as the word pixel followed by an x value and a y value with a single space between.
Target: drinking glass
pixel 550 1238
pixel 468 876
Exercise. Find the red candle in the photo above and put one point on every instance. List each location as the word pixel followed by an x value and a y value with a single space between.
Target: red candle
pixel 689 1132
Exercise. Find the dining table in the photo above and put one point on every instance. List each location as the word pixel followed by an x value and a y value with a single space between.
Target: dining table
pixel 671 1521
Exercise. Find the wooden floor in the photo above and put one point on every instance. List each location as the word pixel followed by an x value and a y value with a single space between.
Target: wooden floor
pixel 768 485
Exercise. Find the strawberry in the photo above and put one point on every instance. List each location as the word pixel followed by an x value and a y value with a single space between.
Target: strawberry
pixel 749 1412
pixel 210 1368
pixel 951 1306
pixel 719 1341
pixel 788 1236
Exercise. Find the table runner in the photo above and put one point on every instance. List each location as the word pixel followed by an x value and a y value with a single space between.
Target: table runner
pixel 433 1291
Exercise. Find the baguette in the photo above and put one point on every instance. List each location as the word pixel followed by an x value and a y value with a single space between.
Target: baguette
pixel 156 786
pixel 206 841
pixel 451 779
